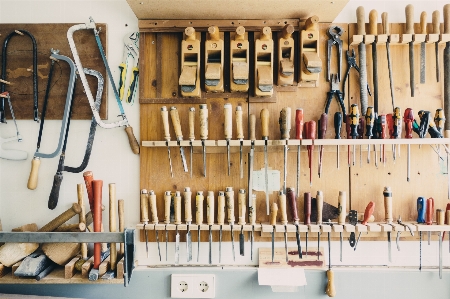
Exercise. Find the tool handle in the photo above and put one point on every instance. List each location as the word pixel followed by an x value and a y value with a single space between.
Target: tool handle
pixel 175 117
pixel 191 123
pixel 203 113
pixel 240 33
pixel 447 19
pixel 337 124
pixel 242 206
pixel 112 224
pixel 307 207
pixel 408 118
pixel 447 214
pixel 285 122
pixel 299 123
pixel 387 193
pixel 360 20
pixel 423 22
pixel 239 126
pixel 214 33
pixel 409 11
pixel 88 177
pixel 134 144
pixel 177 207
pixel 421 209
pixel 228 124
pixel 165 119
pixel 33 178
pixel 210 208
pixel 435 20
pixel 97 186
pixel 134 79
pixel 122 77
pixel 373 22
pixel 292 199
pixel 429 211
pixel 144 206
pixel 368 212
pixel 385 22
pixel 323 125
pixel 264 115
pixel 252 210
pixel 273 213
pixel 440 218
pixel 187 204
pixel 311 132
pixel 266 33
pixel 221 208
pixel 342 207
pixel 319 200
pixel 282 203
pixel 54 193
pixel 153 207
pixel 167 201
pixel 199 207
pixel 252 127
pixel 82 216
pixel 229 197
pixel 61 219
pixel 287 31
pixel 330 290
pixel 121 210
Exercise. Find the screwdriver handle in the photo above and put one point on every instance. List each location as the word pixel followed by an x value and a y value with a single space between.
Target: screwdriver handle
pixel 210 208
pixel 387 193
pixel 368 212
pixel 409 12
pixel 273 214
pixel 242 206
pixel 191 123
pixel 203 115
pixel 423 22
pixel 153 208
pixel 373 22
pixel 307 207
pixel 264 115
pixel 285 122
pixel 228 124
pixel 167 200
pixel 323 125
pixel 176 122
pixel 229 197
pixel 435 20
pixel 408 118
pixel 252 127
pixel 252 210
pixel 342 207
pixel 429 211
pixel 439 119
pixel 187 205
pixel 447 214
pixel 360 20
pixel 311 132
pixel 382 118
pixel 337 124
pixel 144 206
pixel 385 22
pixel 447 19
pixel 421 208
pixel 165 118
pixel 199 208
pixel 239 127
pixel 177 207
pixel 319 201
pixel 221 208
pixel 330 290
pixel 440 218
pixel 299 123
pixel 292 199
pixel 282 203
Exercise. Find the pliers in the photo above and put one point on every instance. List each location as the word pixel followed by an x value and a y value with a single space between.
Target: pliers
pixel 334 32
pixel 351 61
pixel 131 49
pixel 335 91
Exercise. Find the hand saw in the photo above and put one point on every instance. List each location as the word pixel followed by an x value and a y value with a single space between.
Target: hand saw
pixel 131 49
pixel 124 122
pixel 10 154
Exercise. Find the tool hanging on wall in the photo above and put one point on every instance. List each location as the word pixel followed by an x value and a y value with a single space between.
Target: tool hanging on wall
pixel 199 198
pixel 34 75
pixel 323 122
pixel 409 29
pixel 368 212
pixel 240 137
pixel 351 63
pixel 282 203
pixel 252 137
pixel 203 115
pixel 242 213
pixel 264 115
pixel 97 196
pixel 273 222
pixel 154 213
pixel 177 128
pixel 130 50
pixel 435 19
pixel 285 129
pixel 286 56
pixel 210 220
pixel 239 61
pixel 373 24
pixel 310 62
pixel 124 122
pixel 11 154
pixel 292 199
pixel 334 32
pixel 214 52
pixel 421 209
pixel 264 64
pixel 191 133
pixel 220 219
pixel 165 119
pixel 252 220
pixel 337 131
pixel 299 136
pixel 188 218
pixel 423 30
pixel 387 193
pixel 342 208
pixel 386 31
pixel 167 214
pixel 310 129
pixel 189 80
pixel 228 130
pixel 229 197
pixel 307 213
pixel 177 221
pixel 361 24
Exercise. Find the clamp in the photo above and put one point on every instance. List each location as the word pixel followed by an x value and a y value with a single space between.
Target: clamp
pixel 334 32
pixel 351 61
pixel 335 91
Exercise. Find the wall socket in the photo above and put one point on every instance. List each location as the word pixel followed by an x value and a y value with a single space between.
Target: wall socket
pixel 193 286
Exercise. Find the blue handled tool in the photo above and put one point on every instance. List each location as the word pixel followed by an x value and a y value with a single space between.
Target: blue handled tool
pixel 421 208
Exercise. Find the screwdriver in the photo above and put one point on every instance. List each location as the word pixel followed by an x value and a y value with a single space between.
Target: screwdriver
pixel 167 201
pixel 273 222
pixel 298 135
pixel 240 137
pixel 203 113
pixel 188 218
pixel 310 134
pixel 210 219
pixel 367 214
pixel 361 125
pixel 354 121
pixel 369 129
pixel 408 118
pixel 191 132
pixel 382 122
pixel 199 217
pixel 177 127
pixel 220 219
pixel 307 212
pixel 229 197
pixel 421 208
pixel 282 202
pixel 228 130
pixel 291 197
pixel 154 212
pixel 429 215
pixel 337 131
pixel 264 115
pixel 323 122
pixel 285 129
pixel 319 201
pixel 397 120
pixel 144 215
pixel 165 118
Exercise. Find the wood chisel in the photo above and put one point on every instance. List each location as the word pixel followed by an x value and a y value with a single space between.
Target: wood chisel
pixel 273 222
pixel 307 212
pixel 435 19
pixel 177 127
pixel 144 215
pixel 387 193
pixel 423 30
pixel 167 201
pixel 361 30
pixel 387 31
pixel 440 221
pixel 292 198
pixel 252 136
pixel 429 210
pixel 191 132
pixel 229 197
pixel 165 118
pixel 373 24
pixel 421 209
pixel 264 115
pixel 330 290
pixel 342 207
pixel 228 130
pixel 177 212
pixel 199 217
pixel 299 136
pixel 285 129
pixel 282 203
pixel 203 113
pixel 220 219
pixel 240 137
pixel 319 200
pixel 188 218
pixel 154 212
pixel 367 214
pixel 210 220
pixel 242 213
pixel 409 11
pixel 252 220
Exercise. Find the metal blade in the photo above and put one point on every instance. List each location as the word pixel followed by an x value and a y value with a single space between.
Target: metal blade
pixel 241 242
pixel 250 178
pixel 299 245
pixel 146 240
pixel 177 247
pixel 210 245
pixel 436 51
pixel 375 75
pixel 251 244
pixel 183 159
pixel 429 237
pixel 363 77
pixel 157 241
pixel 189 244
pixel 306 249
pixel 241 166
pixel 198 244
pixel 167 236
pixel 298 170
pixel 285 168
pixel 420 251
pixel 191 158
pixel 204 158
pixel 357 241
pixel 391 78
pixel 411 68
pixel 440 255
pixel 273 243
pixel 318 244
pixel 389 246
pixel 340 246
pixel 232 243
pixel 170 160
pixel 220 244
pixel 422 63
pixel 285 242
pixel 266 173
pixel 228 156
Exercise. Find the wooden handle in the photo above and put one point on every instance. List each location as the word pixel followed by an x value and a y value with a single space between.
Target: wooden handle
pixel 252 127
pixel 229 197
pixel 165 119
pixel 368 212
pixel 97 186
pixel 311 23
pixel 387 193
pixel 203 113
pixel 239 127
pixel 134 144
pixel 33 178
pixel 440 218
pixel 266 33
pixel 62 218
pixel 252 210
pixel 273 213
pixel 435 20
pixel 242 206
pixel 447 19
pixel 228 124
pixel 210 208
pixel 299 123
pixel 240 33
pixel 307 207
pixel 82 216
pixel 429 211
pixel 112 224
pixel 88 177
pixel 319 200
pixel 190 33
pixel 447 214
pixel 264 123
pixel 199 207
pixel 144 206
pixel 282 203
pixel 214 33
pixel 342 207
pixel 361 21
pixel 187 204
pixel 177 207
pixel 423 22
pixel 385 22
pixel 121 209
pixel 373 22
pixel 292 199
pixel 153 207
pixel 176 122
pixel 221 208
pixel 331 290
pixel 287 31
pixel 54 193
pixel 167 200
pixel 409 11
pixel 191 123
pixel 285 122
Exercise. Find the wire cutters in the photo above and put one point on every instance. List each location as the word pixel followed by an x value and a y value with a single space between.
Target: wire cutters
pixel 334 32
pixel 351 61
pixel 335 91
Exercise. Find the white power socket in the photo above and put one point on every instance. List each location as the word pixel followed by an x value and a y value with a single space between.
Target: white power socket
pixel 193 286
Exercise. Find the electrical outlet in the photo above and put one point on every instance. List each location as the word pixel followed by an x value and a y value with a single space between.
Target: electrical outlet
pixel 193 286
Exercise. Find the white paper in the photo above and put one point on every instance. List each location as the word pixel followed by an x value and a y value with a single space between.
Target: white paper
pixel 281 277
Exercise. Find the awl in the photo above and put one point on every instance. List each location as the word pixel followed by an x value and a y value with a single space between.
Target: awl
pixel 252 220
pixel 203 113
pixel 144 215
pixel 298 135
pixel 177 127
pixel 307 212
pixel 387 193
pixel 167 202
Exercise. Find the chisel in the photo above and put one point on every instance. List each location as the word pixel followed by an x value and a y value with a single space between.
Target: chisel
pixel 229 197
pixel 429 215
pixel 228 130
pixel 177 127
pixel 285 129
pixel 154 212
pixel 361 30
pixel 191 132
pixel 252 154
pixel 144 215
pixel 423 30
pixel 387 193
pixel 386 30
pixel 240 137
pixel 373 24
pixel 307 212
pixel 177 212
pixel 220 219
pixel 165 118
pixel 282 202
pixel 435 19
pixel 319 201
pixel 337 131
pixel 440 221
pixel 252 220
pixel 264 115
pixel 242 213
pixel 167 200
pixel 421 209
pixel 210 219
pixel 342 207
pixel 298 135
pixel 273 222
pixel 199 217
pixel 188 218
pixel 203 113
pixel 409 11
pixel 292 198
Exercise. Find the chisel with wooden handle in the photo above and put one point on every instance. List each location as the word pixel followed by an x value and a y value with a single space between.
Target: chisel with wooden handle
pixel 447 69
pixel 167 202
pixel 177 127
pixel 361 30
pixel 307 212
pixel 409 11
pixel 210 220
pixel 273 222
pixel 298 135
pixel 203 114
pixel 154 213
pixel 177 212
pixel 423 30
pixel 252 119
pixel 165 118
pixel 144 215
pixel 292 199
pixel 242 213
pixel 387 193
pixel 264 115
pixel 191 132
pixel 199 217
pixel 435 20
pixel 282 202
pixel 386 30
pixel 228 130
pixel 252 220
pixel 229 197
pixel 220 219
pixel 285 129
pixel 188 218
pixel 240 137
pixel 97 186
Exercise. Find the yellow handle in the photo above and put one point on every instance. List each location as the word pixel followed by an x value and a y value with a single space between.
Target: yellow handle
pixel 167 200
pixel 331 290
pixel 176 122
pixel 342 207
pixel 134 78
pixel 385 22
pixel 228 124
pixel 33 178
pixel 447 18
pixel 229 196
pixel 319 199
pixel 242 206
pixel 210 208
pixel 273 214
pixel 165 119
pixel 252 127
pixel 123 73
pixel 177 207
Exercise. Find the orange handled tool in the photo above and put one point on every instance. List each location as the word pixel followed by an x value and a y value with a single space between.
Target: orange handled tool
pixel 97 186
pixel 367 214
pixel 88 178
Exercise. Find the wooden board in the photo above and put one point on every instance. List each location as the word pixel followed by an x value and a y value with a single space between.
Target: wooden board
pixel 48 36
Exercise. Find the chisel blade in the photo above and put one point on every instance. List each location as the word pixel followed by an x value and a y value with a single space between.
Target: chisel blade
pixel 241 166
pixel 198 244
pixel 170 159
pixel 192 151
pixel 411 68
pixel 273 244
pixel 177 247
pixel 436 51
pixel 189 245
pixel 306 247
pixel 389 246
pixel 183 159
pixel 340 246
pixel 210 245
pixel 285 243
pixel 228 156
pixel 422 63
pixel 146 240
pixel 232 243
pixel 241 241
pixel 167 237
pixel 266 175
pixel 157 241
pixel 440 255
pixel 204 158
pixel 299 245
pixel 220 244
pixel 251 243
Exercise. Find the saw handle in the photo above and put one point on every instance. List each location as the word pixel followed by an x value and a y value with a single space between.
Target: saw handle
pixel 144 206
pixel 373 22
pixel 423 22
pixel 134 144
pixel 54 193
pixel 409 11
pixel 307 207
pixel 360 20
pixel 242 206
pixel 385 23
pixel 368 212
pixel 187 204
pixel 239 127
pixel 33 178
pixel 228 123
pixel 330 290
pixel 292 199
pixel 252 127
